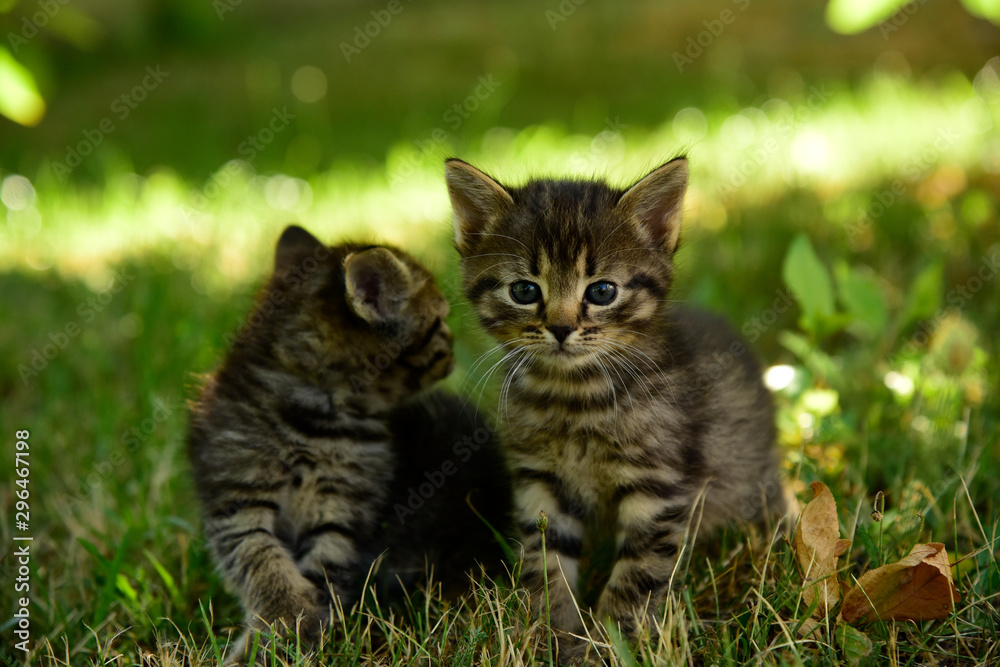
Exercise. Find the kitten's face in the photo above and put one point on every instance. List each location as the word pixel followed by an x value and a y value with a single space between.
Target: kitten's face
pixel 372 310
pixel 570 273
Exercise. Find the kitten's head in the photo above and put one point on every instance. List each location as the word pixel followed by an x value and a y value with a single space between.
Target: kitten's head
pixel 366 317
pixel 570 271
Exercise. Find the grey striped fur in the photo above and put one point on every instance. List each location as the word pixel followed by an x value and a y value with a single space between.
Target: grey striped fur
pixel 291 439
pixel 621 415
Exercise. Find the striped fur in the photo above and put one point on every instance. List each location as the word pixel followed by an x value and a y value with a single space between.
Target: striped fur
pixel 627 411
pixel 294 440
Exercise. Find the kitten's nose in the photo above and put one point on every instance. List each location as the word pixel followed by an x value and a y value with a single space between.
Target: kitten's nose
pixel 561 333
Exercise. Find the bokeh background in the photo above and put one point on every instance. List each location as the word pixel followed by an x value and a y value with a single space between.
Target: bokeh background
pixel 843 213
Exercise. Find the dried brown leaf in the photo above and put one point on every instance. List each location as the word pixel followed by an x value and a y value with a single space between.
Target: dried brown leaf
pixel 917 588
pixel 809 626
pixel 817 547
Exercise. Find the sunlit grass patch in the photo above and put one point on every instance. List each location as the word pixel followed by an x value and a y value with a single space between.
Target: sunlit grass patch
pixel 829 139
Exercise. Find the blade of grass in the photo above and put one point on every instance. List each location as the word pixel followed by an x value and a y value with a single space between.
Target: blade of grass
pixel 211 632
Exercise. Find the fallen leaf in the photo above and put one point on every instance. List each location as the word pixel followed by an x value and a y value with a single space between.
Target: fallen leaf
pixel 817 547
pixel 916 588
pixel 855 644
pixel 807 627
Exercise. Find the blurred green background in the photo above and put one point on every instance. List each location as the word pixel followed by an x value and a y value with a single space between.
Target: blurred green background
pixel 846 161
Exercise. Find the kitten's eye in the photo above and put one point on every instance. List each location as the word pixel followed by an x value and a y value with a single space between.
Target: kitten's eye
pixel 602 293
pixel 524 291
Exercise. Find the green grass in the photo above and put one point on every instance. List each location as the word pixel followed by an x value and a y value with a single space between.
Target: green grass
pixel 120 571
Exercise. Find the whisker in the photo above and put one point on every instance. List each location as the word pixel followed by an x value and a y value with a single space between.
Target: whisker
pixel 649 363
pixel 659 343
pixel 485 378
pixel 632 372
pixel 609 235
pixel 481 358
pixel 492 254
pixel 609 254
pixel 492 266
pixel 614 366
pixel 648 360
pixel 611 385
pixel 505 389
pixel 503 236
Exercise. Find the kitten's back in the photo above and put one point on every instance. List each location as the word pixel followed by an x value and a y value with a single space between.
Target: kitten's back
pixel 737 444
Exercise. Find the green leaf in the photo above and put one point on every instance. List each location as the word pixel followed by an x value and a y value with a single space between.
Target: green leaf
pixel 126 588
pixel 818 362
pixel 168 579
pixel 925 295
pixel 620 645
pixel 508 552
pixel 77 28
pixel 110 572
pixel 861 295
pixel 852 16
pixel 19 97
pixel 211 633
pixel 809 281
pixel 821 402
pixel 93 550
pixel 854 643
pixel 863 536
pixel 987 9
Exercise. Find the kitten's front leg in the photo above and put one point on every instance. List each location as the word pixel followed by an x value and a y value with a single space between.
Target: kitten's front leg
pixel 259 567
pixel 648 539
pixel 534 493
pixel 331 564
pixel 335 510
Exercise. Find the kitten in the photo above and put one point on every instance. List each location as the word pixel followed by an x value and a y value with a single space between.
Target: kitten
pixel 623 408
pixel 297 441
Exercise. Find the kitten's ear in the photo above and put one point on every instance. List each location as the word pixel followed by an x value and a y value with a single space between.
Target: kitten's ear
pixel 378 284
pixel 475 199
pixel 656 202
pixel 294 245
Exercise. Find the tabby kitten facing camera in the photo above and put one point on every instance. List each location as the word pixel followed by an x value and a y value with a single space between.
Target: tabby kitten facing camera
pixel 620 416
pixel 298 439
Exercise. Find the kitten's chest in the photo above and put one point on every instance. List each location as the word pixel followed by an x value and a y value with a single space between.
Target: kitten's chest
pixel 352 464
pixel 580 463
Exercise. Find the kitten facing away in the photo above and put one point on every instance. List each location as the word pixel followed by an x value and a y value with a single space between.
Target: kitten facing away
pixel 623 423
pixel 306 441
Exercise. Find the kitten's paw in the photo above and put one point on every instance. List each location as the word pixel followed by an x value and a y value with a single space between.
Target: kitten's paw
pixel 302 614
pixel 260 635
pixel 576 651
pixel 238 654
pixel 633 623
